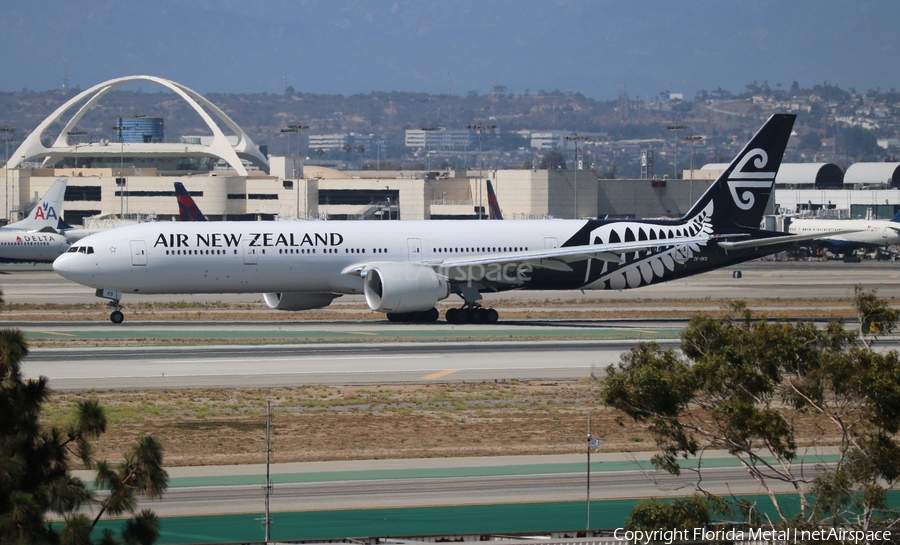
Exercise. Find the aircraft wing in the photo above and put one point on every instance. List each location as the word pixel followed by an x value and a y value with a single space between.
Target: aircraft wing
pixel 553 258
pixel 558 258
pixel 786 239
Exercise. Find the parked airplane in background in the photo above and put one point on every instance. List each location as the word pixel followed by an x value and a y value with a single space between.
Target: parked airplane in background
pixel 34 239
pixel 864 233
pixel 187 208
pixel 405 267
pixel 493 205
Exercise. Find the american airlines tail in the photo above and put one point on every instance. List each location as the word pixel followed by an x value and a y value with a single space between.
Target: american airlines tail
pixel 47 212
pixel 187 208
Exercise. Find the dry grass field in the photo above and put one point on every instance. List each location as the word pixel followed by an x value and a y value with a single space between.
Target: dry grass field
pixel 227 426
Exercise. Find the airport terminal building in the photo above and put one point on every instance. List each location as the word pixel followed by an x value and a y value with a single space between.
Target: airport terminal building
pixel 231 178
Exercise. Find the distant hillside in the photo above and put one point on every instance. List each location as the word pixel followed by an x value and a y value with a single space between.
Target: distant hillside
pixel 718 115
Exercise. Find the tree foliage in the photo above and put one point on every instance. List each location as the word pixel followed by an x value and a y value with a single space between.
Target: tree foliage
pixel 741 383
pixel 553 160
pixel 35 463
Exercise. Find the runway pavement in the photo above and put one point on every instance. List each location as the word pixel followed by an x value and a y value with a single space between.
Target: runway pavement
pixel 289 365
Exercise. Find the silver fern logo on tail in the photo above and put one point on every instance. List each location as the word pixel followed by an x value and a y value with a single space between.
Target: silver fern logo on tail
pixel 640 270
pixel 745 181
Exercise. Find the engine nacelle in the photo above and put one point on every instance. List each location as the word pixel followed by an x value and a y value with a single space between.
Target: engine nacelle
pixel 404 287
pixel 298 300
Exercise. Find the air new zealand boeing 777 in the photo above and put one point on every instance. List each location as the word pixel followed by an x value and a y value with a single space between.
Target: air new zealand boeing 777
pixel 405 267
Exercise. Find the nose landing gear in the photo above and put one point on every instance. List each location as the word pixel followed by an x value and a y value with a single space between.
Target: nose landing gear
pixel 114 296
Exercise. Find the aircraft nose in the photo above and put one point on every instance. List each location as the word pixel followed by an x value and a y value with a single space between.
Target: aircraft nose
pixel 61 264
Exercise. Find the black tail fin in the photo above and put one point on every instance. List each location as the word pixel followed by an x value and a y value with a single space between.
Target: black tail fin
pixel 493 205
pixel 740 194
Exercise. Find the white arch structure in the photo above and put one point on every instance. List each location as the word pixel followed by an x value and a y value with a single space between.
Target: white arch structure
pixel 220 147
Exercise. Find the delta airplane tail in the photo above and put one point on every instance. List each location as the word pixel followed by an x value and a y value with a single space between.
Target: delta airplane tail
pixel 47 212
pixel 187 208
pixel 493 205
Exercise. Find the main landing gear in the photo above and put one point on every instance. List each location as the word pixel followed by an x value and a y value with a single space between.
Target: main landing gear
pixel 420 317
pixel 116 315
pixel 472 314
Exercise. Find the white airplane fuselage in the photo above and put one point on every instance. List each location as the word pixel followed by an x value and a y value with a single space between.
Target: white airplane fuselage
pixel 26 246
pixel 252 257
pixel 869 233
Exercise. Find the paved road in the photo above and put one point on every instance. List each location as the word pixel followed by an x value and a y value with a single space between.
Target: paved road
pixel 435 482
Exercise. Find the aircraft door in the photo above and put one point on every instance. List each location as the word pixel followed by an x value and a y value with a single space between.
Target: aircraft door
pixel 550 243
pixel 415 250
pixel 250 255
pixel 138 253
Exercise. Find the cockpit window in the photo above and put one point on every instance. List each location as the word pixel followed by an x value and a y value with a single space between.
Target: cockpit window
pixel 80 250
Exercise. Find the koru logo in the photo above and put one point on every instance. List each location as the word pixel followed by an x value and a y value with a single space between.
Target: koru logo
pixel 746 181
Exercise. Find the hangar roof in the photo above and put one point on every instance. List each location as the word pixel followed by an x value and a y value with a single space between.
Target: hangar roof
pixel 873 173
pixel 822 175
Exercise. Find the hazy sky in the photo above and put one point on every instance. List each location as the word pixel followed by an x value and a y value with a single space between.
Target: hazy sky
pixel 595 47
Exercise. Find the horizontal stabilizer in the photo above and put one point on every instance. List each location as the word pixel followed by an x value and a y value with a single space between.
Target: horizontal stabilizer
pixel 787 239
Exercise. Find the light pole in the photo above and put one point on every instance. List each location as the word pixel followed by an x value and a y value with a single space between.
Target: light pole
pixel 575 138
pixel 692 138
pixel 295 128
pixel 593 443
pixel 480 128
pixel 77 143
pixel 7 136
pixel 676 128
pixel 120 180
pixel 378 156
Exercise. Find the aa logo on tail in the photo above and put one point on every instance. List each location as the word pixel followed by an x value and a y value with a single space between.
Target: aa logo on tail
pixel 45 212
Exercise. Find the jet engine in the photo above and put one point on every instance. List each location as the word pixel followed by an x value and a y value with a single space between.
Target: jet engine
pixel 298 300
pixel 402 287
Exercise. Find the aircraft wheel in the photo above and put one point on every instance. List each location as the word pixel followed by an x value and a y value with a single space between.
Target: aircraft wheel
pixel 116 317
pixel 451 316
pixel 491 316
pixel 431 315
pixel 478 316
pixel 463 316
pixel 393 317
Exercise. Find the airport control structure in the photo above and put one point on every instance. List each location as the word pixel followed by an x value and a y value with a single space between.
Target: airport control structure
pixel 232 178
